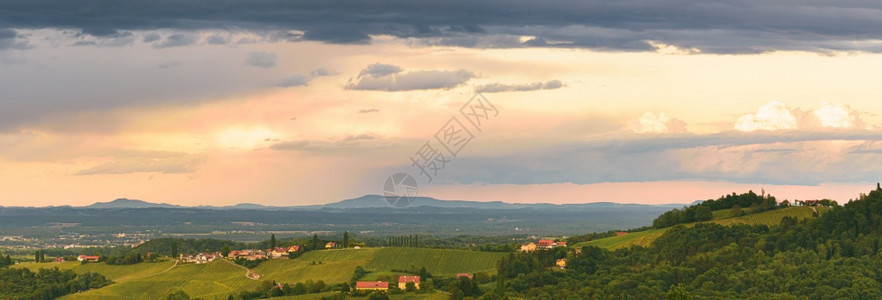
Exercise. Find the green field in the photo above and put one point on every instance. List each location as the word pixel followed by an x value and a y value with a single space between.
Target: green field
pixel 335 266
pixel 722 217
pixel 221 278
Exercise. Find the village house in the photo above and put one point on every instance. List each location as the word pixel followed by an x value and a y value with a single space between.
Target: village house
pixel 621 233
pixel 200 258
pixel 545 244
pixel 403 280
pixel 528 247
pixel 277 252
pixel 467 275
pixel 371 286
pixel 293 248
pixel 58 260
pixel 248 254
pixel 562 263
pixel 330 245
pixel 88 258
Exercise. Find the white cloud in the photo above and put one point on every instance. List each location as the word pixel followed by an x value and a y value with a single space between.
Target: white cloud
pixel 779 116
pixel 657 123
pixel 773 116
pixel 837 116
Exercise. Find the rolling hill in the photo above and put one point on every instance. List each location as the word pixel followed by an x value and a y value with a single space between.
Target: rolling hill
pixel 220 278
pixel 722 217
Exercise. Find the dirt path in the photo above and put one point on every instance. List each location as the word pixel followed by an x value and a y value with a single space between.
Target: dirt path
pixel 247 271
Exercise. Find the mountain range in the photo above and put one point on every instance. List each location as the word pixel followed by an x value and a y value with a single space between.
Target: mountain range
pixel 377 201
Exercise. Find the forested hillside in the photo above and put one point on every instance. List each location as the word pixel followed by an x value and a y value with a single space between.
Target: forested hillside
pixel 833 256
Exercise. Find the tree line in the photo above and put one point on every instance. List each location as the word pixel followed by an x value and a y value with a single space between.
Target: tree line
pixel 836 255
pixel 704 211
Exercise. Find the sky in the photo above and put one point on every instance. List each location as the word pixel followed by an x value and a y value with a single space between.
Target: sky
pixel 310 102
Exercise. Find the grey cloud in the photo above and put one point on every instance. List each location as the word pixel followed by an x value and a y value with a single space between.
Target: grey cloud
pixel 151 37
pixel 175 40
pixel 261 59
pixel 726 26
pixel 295 80
pixel 302 80
pixel 379 77
pixel 499 87
pixel 10 39
pixel 744 158
pixel 379 69
pixel 319 72
pixel 216 39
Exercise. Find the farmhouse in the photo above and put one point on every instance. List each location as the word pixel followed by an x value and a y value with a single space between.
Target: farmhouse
pixel 293 248
pixel 88 258
pixel 545 244
pixel 330 245
pixel 371 286
pixel 562 263
pixel 58 260
pixel 404 280
pixel 528 247
pixel 249 254
pixel 277 252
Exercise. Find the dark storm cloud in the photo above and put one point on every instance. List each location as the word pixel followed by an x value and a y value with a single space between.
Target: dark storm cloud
pixel 725 26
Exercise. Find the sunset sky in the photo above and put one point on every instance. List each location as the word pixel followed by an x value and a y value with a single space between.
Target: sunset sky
pixel 309 102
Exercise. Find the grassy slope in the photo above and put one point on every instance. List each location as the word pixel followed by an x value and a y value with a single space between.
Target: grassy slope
pixel 217 279
pixel 723 217
pixel 337 265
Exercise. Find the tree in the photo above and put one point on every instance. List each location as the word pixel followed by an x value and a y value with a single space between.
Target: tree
pixel 500 287
pixel 273 241
pixel 703 213
pixel 423 274
pixel 344 288
pixel 225 250
pixel 314 244
pixel 678 292
pixel 345 239
pixel 174 249
pixel 410 287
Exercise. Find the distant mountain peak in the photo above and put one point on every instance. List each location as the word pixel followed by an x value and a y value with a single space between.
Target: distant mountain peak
pixel 129 203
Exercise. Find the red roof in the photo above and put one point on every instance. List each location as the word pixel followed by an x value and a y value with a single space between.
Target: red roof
pixel 405 279
pixel 464 275
pixel 371 284
pixel 621 233
pixel 562 243
pixel 545 242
